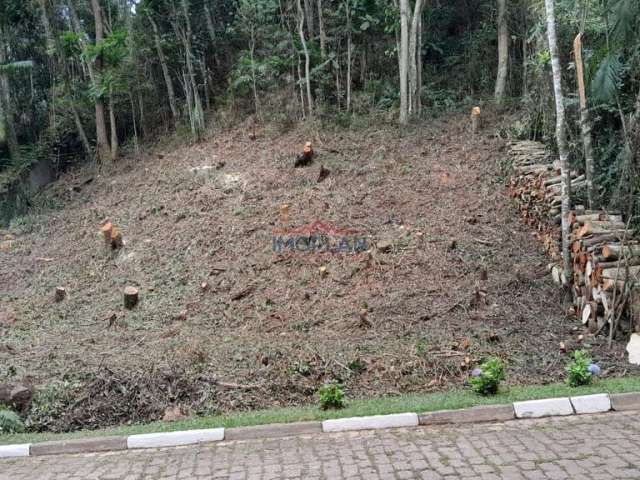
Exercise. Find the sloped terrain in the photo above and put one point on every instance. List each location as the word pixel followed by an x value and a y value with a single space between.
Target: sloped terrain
pixel 224 323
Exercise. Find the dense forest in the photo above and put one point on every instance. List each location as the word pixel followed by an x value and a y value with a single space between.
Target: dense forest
pixel 82 80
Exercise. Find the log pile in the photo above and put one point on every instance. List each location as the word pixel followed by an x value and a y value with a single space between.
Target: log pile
pixel 605 253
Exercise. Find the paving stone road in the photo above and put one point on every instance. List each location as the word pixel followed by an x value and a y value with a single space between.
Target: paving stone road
pixel 589 447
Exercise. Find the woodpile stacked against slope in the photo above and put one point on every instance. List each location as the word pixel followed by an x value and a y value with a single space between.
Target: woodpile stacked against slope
pixel 605 253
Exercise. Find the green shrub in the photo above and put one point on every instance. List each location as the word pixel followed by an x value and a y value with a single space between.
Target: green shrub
pixel 486 379
pixel 10 422
pixel 578 370
pixel 331 396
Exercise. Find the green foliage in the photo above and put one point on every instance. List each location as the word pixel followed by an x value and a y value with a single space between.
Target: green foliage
pixel 10 422
pixel 331 396
pixel 50 404
pixel 578 373
pixel 486 379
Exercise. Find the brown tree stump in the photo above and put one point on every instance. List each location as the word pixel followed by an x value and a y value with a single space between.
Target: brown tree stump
pixel 130 297
pixel 61 294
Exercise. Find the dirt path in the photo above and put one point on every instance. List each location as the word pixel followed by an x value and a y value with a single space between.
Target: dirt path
pixel 273 323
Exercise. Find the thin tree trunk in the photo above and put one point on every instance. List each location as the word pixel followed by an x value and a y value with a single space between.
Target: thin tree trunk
pixel 349 56
pixel 308 13
pixel 323 33
pixel 53 50
pixel 561 138
pixel 195 109
pixel 165 69
pixel 404 61
pixel 307 59
pixel 113 127
pixel 413 60
pixel 6 108
pixel 585 124
pixel 102 140
pixel 252 48
pixel 503 52
pixel 419 70
pixel 209 21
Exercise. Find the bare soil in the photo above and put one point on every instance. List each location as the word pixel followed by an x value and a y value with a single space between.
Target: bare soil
pixel 267 329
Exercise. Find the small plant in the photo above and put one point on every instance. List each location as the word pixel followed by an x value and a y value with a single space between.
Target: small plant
pixel 357 366
pixel 486 379
pixel 10 422
pixel 581 370
pixel 331 396
pixel 422 346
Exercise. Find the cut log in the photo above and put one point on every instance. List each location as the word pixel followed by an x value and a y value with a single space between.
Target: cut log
pixel 130 297
pixel 621 273
pixel 597 227
pixel 598 217
pixel 614 251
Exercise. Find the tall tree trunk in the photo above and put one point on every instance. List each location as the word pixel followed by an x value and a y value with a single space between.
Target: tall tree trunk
pixel 195 109
pixel 308 13
pixel 102 140
pixel 404 61
pixel 210 26
pixel 113 127
pixel 503 52
pixel 414 57
pixel 254 82
pixel 52 51
pixel 585 124
pixel 6 108
pixel 418 106
pixel 323 33
pixel 561 138
pixel 165 69
pixel 307 59
pixel 349 55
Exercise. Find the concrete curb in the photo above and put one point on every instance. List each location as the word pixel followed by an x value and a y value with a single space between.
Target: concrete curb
pixel 79 445
pixel 175 439
pixel 621 402
pixel 277 430
pixel 484 413
pixel 376 422
pixel 549 407
pixel 10 451
pixel 599 403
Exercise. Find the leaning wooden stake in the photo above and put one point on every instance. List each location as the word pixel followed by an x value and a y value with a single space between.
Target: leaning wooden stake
pixel 585 124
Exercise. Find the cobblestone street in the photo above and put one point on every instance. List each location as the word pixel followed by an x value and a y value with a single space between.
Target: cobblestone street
pixel 590 447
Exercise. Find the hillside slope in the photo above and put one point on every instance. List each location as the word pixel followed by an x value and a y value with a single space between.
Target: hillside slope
pixel 224 323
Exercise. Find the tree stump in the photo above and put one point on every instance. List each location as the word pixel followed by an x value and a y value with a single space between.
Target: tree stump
pixel 61 294
pixel 475 120
pixel 130 297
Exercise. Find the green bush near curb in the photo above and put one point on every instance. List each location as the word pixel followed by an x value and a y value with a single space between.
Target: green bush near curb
pixel 454 399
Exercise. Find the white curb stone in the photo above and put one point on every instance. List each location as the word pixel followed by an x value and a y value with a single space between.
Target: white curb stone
pixel 591 403
pixel 21 450
pixel 174 439
pixel 371 423
pixel 543 408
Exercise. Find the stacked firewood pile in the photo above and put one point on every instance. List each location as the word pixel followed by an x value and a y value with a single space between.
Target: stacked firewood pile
pixel 605 253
